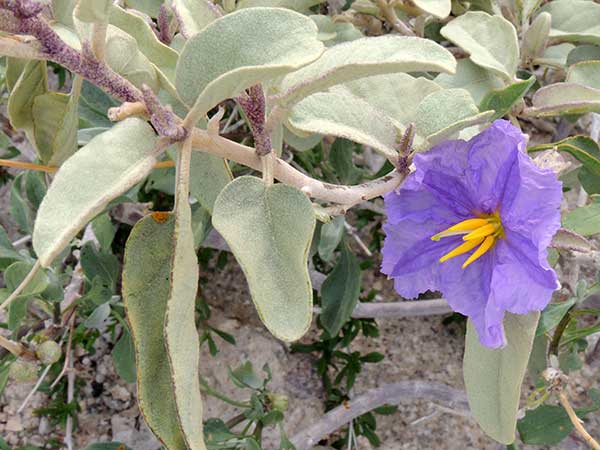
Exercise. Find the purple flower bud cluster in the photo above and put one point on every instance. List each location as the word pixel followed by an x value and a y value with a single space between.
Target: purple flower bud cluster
pixel 253 104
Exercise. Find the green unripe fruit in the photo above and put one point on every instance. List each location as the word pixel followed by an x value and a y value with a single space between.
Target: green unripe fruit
pixel 48 352
pixel 23 371
pixel 279 402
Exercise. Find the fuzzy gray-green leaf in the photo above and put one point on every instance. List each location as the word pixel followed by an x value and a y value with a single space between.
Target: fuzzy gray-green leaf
pixel 493 377
pixel 269 230
pixel 109 165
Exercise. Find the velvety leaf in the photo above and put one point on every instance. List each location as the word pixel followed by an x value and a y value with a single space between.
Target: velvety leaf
pixel 104 230
pixel 150 7
pixel 181 335
pixel 194 15
pixel 583 53
pixel 565 98
pixel 575 20
pixel 55 120
pixel 146 275
pixel 261 44
pixel 585 220
pixel 301 143
pixel 586 73
pixel 333 33
pixel 437 8
pixel 159 54
pixel 340 292
pixel 31 83
pixel 545 425
pixel 490 40
pixel 62 10
pixel 340 157
pixel 502 100
pixel 443 113
pixel 93 11
pixel 493 377
pixel 330 237
pixel 341 114
pixel 123 355
pixel 108 166
pixel 477 80
pixel 302 6
pixel 366 57
pixel 569 240
pixel 269 230
pixel 536 37
pixel 555 56
pixel 209 176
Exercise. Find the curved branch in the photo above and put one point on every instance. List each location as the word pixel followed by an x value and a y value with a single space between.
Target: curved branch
pixel 401 309
pixel 284 172
pixel 389 394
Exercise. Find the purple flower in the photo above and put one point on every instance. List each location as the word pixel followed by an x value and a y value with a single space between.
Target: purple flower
pixel 474 221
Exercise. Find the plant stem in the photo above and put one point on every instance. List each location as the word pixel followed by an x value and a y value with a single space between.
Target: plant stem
pixel 236 420
pixel 564 401
pixel 204 387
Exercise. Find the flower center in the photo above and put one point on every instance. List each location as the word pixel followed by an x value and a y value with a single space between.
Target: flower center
pixel 481 232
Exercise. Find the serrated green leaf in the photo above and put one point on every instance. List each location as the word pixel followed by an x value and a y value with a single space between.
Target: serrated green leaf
pixel 574 20
pixel 55 118
pixel 194 15
pixel 269 230
pixel 502 100
pixel 340 292
pixel 493 377
pixel 437 8
pixel 242 49
pixel 491 41
pixel 585 220
pixel 146 275
pixel 107 167
pixel 367 57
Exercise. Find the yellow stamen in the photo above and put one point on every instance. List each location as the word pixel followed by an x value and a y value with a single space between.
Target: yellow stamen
pixel 481 232
pixel 483 249
pixel 463 248
pixel 463 227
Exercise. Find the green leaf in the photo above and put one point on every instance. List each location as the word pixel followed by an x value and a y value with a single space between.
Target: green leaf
pixel 477 80
pixel 194 15
pixel 341 114
pixel 242 49
pixel 330 237
pixel 583 53
pixel 585 220
pixel 564 98
pixel 586 73
pixel 104 230
pixel 123 355
pixel 491 41
pixel 150 7
pixel 181 335
pixel 536 37
pixel 8 254
pixel 269 230
pixel 555 56
pixel 146 275
pixel 99 317
pixel 333 33
pixel 107 167
pixel 366 57
pixel 493 377
pixel 94 104
pixel 13 276
pixel 99 264
pixel 443 113
pixel 35 188
pixel 340 157
pixel 437 8
pixel 19 210
pixel 552 315
pixel 31 83
pixel 245 377
pixel 92 11
pixel 574 20
pixel 340 292
pixel 209 175
pixel 545 425
pixel 55 118
pixel 302 6
pixel 502 100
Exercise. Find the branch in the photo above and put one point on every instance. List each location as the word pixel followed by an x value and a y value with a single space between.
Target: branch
pixel 389 394
pixel 390 15
pixel 401 309
pixel 282 171
pixel 576 421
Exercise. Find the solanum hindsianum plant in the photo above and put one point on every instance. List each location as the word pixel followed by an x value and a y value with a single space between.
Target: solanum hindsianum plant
pixel 464 128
